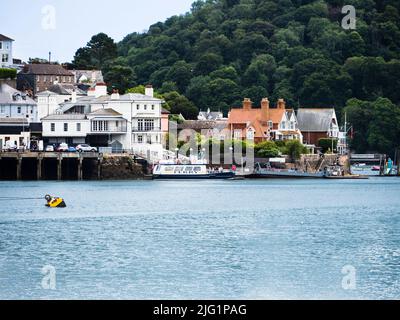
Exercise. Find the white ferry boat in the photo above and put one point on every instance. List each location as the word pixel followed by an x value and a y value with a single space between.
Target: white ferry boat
pixel 189 171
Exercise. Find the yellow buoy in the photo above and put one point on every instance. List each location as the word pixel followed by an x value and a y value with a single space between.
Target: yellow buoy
pixel 55 202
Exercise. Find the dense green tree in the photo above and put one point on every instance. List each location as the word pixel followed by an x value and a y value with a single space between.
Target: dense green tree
pixel 293 49
pixel 100 49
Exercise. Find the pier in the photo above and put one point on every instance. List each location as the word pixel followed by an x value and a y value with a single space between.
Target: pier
pixel 50 166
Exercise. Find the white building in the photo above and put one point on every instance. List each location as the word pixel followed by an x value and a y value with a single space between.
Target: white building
pixel 17 113
pixel 6 53
pixel 129 122
pixel 15 104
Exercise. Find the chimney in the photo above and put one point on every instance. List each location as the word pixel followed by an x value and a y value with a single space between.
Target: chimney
pixel 100 89
pixel 149 91
pixel 73 96
pixel 115 94
pixel 265 108
pixel 247 104
pixel 281 104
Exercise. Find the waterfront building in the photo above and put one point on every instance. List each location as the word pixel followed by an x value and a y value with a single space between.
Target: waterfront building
pixel 209 129
pixel 51 99
pixel 318 123
pixel 18 113
pixel 6 51
pixel 35 78
pixel 263 123
pixel 131 122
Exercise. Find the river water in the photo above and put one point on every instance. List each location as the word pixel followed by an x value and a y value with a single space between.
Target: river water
pixel 253 239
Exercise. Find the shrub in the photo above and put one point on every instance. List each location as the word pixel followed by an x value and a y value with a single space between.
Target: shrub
pixel 6 73
pixel 267 149
pixel 326 144
pixel 294 149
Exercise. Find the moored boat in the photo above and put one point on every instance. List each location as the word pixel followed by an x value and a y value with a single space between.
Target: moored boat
pixel 189 171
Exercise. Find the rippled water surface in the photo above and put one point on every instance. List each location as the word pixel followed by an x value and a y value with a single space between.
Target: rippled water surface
pixel 266 239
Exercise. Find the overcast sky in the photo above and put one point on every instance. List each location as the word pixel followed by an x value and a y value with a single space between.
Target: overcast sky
pixel 63 26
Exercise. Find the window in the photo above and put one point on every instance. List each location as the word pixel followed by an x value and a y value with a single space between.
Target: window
pixel 152 107
pixel 65 127
pixel 270 124
pixel 137 107
pixel 78 127
pixel 237 134
pixel 1 45
pixel 53 127
pixel 283 125
pixel 145 107
pixel 94 126
pixel 4 57
pixel 140 124
pixel 19 109
pixel 116 124
pixel 250 134
pixel 38 78
pixel 149 125
pixel 140 139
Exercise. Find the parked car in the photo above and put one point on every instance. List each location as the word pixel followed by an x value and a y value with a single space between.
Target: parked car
pixel 63 147
pixel 85 148
pixel 71 149
pixel 49 148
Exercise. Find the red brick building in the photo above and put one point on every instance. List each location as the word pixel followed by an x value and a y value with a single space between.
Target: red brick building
pixel 263 123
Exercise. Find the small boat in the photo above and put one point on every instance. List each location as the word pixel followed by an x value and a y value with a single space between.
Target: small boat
pixel 267 171
pixel 189 171
pixel 376 168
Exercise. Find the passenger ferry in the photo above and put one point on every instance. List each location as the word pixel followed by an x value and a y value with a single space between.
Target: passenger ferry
pixel 168 170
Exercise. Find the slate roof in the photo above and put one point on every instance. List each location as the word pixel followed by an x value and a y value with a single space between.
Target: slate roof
pixel 315 120
pixel 210 115
pixel 8 93
pixel 65 89
pixel 46 69
pixel 97 75
pixel 65 117
pixel 202 125
pixel 138 97
pixel 4 38
pixel 106 112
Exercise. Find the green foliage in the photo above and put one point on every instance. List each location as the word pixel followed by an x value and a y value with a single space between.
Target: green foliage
pixel 376 125
pixel 294 149
pixel 326 144
pixel 297 50
pixel 99 50
pixel 6 73
pixel 267 149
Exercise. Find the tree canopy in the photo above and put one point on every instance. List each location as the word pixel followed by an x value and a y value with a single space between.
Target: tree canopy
pixel 224 50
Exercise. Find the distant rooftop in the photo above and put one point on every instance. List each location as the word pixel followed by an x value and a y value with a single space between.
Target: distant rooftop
pixel 65 117
pixel 315 120
pixel 4 38
pixel 46 69
pixel 11 96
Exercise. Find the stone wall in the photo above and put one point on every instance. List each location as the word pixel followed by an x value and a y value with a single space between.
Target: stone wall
pixel 121 168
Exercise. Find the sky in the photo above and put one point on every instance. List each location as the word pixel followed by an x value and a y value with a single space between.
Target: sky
pixel 63 26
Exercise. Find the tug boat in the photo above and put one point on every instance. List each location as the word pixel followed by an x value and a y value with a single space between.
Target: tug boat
pixel 189 171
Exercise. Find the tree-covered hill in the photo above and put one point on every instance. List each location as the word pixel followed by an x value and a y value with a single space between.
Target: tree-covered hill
pixel 224 50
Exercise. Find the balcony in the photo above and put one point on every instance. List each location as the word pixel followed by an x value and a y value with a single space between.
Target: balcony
pixel 143 129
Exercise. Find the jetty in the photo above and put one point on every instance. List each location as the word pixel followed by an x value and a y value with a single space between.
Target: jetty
pixel 49 165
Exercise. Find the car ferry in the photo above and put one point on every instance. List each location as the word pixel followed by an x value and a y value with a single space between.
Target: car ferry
pixel 189 171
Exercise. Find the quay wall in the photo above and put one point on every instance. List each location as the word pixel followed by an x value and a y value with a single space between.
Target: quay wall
pixel 69 166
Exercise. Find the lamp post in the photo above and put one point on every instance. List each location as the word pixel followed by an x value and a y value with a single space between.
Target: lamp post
pixel 231 150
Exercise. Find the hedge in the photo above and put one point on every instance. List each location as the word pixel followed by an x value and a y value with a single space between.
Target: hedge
pixel 6 73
